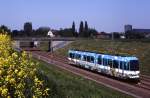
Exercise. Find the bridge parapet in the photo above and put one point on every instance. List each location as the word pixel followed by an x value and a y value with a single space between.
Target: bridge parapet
pixel 36 42
pixel 43 39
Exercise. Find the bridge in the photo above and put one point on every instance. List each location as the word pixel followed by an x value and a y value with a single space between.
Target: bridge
pixel 53 43
pixel 43 39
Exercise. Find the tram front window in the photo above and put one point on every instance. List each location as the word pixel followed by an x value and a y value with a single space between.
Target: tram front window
pixel 134 65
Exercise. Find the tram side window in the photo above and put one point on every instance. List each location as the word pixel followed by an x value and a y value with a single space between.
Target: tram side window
pixel 92 59
pixel 99 60
pixel 110 62
pixel 121 65
pixel 134 65
pixel 104 62
pixel 84 58
pixel 71 55
pixel 78 56
pixel 88 59
pixel 115 64
pixel 126 66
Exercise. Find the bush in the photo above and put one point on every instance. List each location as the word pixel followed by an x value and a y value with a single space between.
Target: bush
pixel 18 76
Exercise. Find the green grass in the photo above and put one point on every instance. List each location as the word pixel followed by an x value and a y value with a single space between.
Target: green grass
pixel 140 49
pixel 67 85
pixel 44 46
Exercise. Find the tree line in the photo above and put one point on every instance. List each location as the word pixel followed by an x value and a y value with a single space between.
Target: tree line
pixel 28 31
pixel 84 31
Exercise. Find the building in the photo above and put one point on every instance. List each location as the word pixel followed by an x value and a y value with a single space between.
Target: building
pixel 28 28
pixel 129 28
pixel 103 35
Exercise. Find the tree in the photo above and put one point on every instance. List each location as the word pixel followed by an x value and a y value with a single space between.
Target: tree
pixel 81 29
pixel 15 33
pixel 73 28
pixel 86 30
pixel 92 32
pixel 134 35
pixel 115 35
pixel 4 29
pixel 42 31
pixel 67 32
pixel 86 26
pixel 28 28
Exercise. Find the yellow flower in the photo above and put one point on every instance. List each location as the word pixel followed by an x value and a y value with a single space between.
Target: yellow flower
pixel 16 70
pixel 1 72
pixel 21 73
pixel 12 81
pixel 14 55
pixel 8 97
pixel 4 92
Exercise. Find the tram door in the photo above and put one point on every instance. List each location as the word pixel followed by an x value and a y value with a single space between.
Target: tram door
pixel 122 67
pixel 110 62
pixel 112 70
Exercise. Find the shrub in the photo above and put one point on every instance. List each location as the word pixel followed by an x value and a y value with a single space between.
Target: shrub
pixel 18 76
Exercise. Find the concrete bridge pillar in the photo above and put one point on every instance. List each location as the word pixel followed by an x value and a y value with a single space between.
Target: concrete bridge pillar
pixel 50 46
pixel 16 44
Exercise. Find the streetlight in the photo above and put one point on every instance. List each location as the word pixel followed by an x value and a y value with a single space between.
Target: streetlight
pixel 50 47
pixel 50 42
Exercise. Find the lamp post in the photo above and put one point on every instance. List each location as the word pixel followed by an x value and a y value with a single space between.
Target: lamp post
pixel 50 47
pixel 112 36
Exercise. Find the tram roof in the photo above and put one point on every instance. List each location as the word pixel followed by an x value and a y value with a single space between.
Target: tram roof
pixel 108 56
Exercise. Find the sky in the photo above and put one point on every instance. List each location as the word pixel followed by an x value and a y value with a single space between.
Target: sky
pixel 103 15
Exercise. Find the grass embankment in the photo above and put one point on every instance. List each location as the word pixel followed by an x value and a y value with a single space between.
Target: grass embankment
pixel 140 49
pixel 43 46
pixel 67 85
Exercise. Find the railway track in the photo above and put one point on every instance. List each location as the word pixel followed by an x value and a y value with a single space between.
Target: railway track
pixel 145 78
pixel 144 82
pixel 140 90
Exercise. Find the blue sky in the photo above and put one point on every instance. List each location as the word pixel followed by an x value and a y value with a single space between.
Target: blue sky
pixel 103 15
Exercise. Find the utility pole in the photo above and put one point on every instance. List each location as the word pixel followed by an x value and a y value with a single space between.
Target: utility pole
pixel 112 35
pixel 50 44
